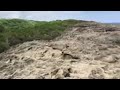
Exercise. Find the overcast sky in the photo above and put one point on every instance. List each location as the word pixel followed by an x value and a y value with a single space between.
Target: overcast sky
pixel 99 16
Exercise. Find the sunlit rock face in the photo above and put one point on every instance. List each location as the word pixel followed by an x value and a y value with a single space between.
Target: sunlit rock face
pixel 88 51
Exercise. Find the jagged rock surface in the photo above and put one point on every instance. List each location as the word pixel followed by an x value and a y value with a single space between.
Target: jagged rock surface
pixel 83 52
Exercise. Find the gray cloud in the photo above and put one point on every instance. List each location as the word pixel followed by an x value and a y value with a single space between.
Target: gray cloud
pixel 41 15
pixel 9 14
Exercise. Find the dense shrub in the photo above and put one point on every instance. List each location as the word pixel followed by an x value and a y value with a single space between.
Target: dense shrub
pixel 15 31
pixel 2 29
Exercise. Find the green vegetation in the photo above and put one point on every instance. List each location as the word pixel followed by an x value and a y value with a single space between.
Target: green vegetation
pixel 15 31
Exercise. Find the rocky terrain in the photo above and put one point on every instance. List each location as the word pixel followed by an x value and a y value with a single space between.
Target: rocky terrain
pixel 82 52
